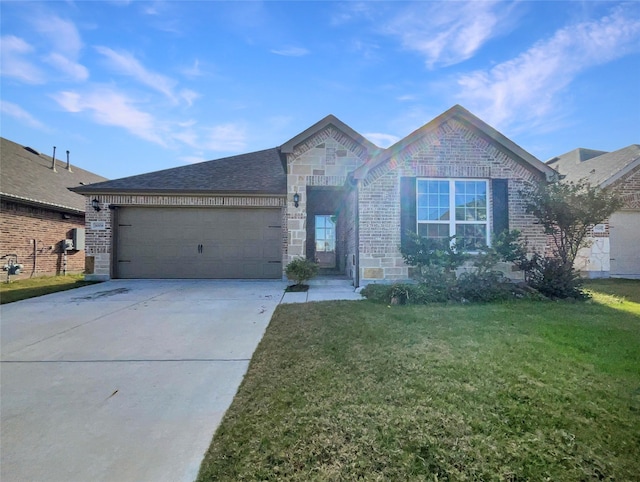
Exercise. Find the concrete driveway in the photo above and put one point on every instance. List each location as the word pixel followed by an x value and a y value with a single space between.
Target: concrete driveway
pixel 124 380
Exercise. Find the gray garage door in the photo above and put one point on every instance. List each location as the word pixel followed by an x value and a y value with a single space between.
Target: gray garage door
pixel 198 243
pixel 624 241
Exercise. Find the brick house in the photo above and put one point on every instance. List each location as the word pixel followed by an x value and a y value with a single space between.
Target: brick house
pixel 614 249
pixel 327 194
pixel 38 212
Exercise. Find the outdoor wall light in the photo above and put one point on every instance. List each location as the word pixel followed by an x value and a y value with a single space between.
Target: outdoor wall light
pixel 96 204
pixel 296 199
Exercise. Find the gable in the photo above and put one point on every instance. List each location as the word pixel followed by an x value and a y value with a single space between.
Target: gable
pixel 329 127
pixel 472 134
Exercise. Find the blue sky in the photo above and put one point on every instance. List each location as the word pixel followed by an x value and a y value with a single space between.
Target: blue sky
pixel 131 87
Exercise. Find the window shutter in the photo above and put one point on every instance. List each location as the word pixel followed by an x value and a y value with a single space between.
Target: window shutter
pixel 407 207
pixel 500 189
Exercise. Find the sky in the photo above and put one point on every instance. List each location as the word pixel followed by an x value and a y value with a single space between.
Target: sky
pixel 130 87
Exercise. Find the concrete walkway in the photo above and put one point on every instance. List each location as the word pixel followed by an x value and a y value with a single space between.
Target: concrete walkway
pixel 128 380
pixel 324 289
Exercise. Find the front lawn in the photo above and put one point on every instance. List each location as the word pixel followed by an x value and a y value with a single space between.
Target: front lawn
pixel 362 391
pixel 23 289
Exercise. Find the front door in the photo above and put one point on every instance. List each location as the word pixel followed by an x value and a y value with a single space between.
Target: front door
pixel 325 241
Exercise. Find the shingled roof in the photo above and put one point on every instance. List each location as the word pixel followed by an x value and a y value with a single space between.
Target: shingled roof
pixel 260 172
pixel 599 168
pixel 26 176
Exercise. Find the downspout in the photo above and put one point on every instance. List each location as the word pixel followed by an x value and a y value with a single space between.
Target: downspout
pixel 35 258
pixel 357 212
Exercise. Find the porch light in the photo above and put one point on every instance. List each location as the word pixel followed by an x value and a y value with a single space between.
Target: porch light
pixel 95 204
pixel 296 199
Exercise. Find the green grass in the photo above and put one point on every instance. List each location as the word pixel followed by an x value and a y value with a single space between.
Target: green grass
pixel 518 391
pixel 32 287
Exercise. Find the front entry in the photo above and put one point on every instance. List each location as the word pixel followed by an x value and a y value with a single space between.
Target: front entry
pixel 325 243
pixel 325 240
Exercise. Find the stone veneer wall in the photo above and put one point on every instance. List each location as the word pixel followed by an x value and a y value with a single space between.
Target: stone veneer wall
pixel 98 243
pixel 324 159
pixel 452 151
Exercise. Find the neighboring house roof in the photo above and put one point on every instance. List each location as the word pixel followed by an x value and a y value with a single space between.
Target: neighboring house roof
pixel 258 172
pixel 481 128
pixel 329 120
pixel 599 168
pixel 26 176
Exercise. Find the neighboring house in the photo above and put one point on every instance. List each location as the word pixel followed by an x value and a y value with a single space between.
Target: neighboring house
pixel 328 194
pixel 614 248
pixel 38 212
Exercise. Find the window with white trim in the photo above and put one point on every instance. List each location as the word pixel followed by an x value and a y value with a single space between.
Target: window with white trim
pixel 453 207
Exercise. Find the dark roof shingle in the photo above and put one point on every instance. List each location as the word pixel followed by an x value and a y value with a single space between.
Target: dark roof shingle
pixel 258 172
pixel 27 176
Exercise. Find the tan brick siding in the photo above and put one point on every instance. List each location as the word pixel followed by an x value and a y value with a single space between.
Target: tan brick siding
pixel 35 234
pixel 453 151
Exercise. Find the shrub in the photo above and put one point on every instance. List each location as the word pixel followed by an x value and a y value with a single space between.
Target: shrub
pixel 301 270
pixel 554 278
pixel 483 287
pixel 431 256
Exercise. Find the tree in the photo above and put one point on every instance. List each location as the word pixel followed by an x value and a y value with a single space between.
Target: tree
pixel 567 211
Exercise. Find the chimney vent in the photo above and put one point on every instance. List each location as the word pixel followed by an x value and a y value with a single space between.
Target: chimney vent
pixel 53 160
pixel 68 163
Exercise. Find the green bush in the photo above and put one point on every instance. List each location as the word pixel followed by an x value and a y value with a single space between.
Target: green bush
pixel 301 270
pixel 431 256
pixel 483 287
pixel 554 278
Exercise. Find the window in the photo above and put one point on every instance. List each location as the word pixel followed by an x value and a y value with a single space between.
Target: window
pixel 325 233
pixel 453 207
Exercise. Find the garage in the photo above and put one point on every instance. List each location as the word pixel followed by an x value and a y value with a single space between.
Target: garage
pixel 624 235
pixel 175 242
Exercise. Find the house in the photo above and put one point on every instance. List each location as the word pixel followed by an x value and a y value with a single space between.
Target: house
pixel 614 248
pixel 38 213
pixel 327 194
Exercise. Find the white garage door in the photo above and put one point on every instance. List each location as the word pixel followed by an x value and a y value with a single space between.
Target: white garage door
pixel 624 237
pixel 198 243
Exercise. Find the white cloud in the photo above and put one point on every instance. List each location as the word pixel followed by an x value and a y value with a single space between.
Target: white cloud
pixel 127 64
pixel 61 34
pixel 381 140
pixel 20 114
pixel 448 33
pixel 109 107
pixel 224 137
pixel 192 71
pixel 189 96
pixel 64 40
pixel 13 64
pixel 526 89
pixel 291 52
pixel 74 70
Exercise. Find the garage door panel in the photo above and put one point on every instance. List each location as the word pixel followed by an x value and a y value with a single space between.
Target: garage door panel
pixel 198 243
pixel 624 242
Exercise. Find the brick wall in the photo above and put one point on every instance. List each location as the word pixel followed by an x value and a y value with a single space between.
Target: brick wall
pixel 35 234
pixel 452 151
pixel 99 234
